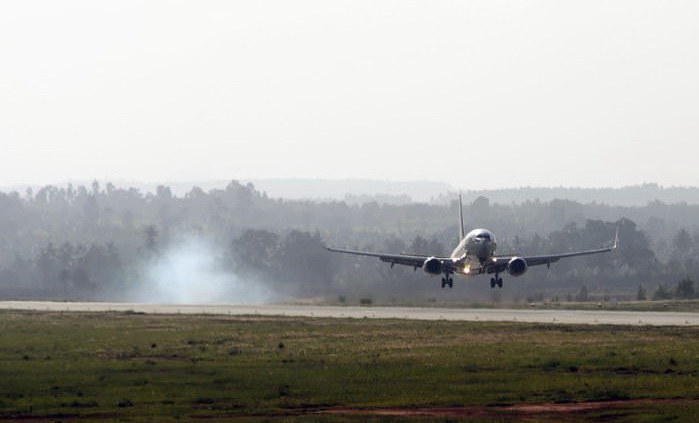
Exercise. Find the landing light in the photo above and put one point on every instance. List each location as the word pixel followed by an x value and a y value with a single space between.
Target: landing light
pixel 467 269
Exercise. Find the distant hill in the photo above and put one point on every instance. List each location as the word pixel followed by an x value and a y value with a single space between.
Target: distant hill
pixel 360 191
pixel 396 192
pixel 637 195
pixel 353 190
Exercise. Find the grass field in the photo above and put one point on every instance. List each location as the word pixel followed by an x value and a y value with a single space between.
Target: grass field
pixel 132 367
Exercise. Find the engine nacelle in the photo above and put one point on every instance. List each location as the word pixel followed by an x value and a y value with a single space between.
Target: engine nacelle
pixel 432 266
pixel 517 266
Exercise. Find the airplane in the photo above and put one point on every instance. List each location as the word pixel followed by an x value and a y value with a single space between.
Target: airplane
pixel 474 255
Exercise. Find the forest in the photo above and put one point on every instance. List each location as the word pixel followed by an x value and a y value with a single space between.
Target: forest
pixel 237 244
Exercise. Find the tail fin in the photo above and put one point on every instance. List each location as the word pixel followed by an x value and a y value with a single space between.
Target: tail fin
pixel 462 233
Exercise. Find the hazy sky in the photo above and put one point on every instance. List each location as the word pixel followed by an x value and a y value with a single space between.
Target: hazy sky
pixel 479 94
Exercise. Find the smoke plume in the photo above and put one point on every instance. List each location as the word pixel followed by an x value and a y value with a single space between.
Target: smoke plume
pixel 191 272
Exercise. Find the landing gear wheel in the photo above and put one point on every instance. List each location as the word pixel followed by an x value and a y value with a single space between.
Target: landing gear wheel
pixel 450 281
pixel 444 282
pixel 492 282
pixel 499 282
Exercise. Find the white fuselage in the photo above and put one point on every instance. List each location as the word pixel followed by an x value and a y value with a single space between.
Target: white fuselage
pixel 477 247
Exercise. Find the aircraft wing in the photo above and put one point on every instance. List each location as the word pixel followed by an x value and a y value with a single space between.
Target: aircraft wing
pixel 499 263
pixel 404 259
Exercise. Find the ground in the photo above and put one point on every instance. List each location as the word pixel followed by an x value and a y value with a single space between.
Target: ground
pixel 128 366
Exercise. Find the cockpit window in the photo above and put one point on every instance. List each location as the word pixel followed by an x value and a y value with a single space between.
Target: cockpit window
pixel 483 235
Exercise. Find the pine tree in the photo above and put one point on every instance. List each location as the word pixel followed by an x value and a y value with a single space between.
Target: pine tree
pixel 641 296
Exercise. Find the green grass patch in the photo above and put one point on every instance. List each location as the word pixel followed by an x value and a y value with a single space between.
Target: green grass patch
pixel 126 367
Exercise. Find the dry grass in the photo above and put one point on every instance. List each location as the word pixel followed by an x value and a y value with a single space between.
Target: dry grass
pixel 130 367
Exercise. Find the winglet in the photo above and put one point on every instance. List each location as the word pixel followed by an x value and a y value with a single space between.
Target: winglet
pixel 616 239
pixel 462 233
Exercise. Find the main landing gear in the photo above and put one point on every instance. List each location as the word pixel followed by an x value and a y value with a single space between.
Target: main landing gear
pixel 496 281
pixel 447 280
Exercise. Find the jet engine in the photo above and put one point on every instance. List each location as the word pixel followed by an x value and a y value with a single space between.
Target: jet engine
pixel 517 266
pixel 432 266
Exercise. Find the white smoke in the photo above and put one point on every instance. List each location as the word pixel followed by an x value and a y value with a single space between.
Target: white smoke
pixel 191 272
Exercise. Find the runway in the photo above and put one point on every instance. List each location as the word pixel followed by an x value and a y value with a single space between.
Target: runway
pixel 591 317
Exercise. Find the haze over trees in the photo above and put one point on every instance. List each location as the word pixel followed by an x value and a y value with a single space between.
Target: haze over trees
pixel 103 242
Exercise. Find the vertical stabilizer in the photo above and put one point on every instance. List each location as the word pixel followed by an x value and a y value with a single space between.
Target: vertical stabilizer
pixel 462 234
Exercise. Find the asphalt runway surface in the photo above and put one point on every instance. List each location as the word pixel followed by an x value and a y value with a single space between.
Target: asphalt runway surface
pixel 592 317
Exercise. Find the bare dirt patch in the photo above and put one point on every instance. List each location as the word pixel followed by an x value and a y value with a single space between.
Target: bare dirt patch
pixel 518 410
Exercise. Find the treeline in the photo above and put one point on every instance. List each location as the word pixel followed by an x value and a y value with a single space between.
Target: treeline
pixel 638 195
pixel 99 241
pixel 684 290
